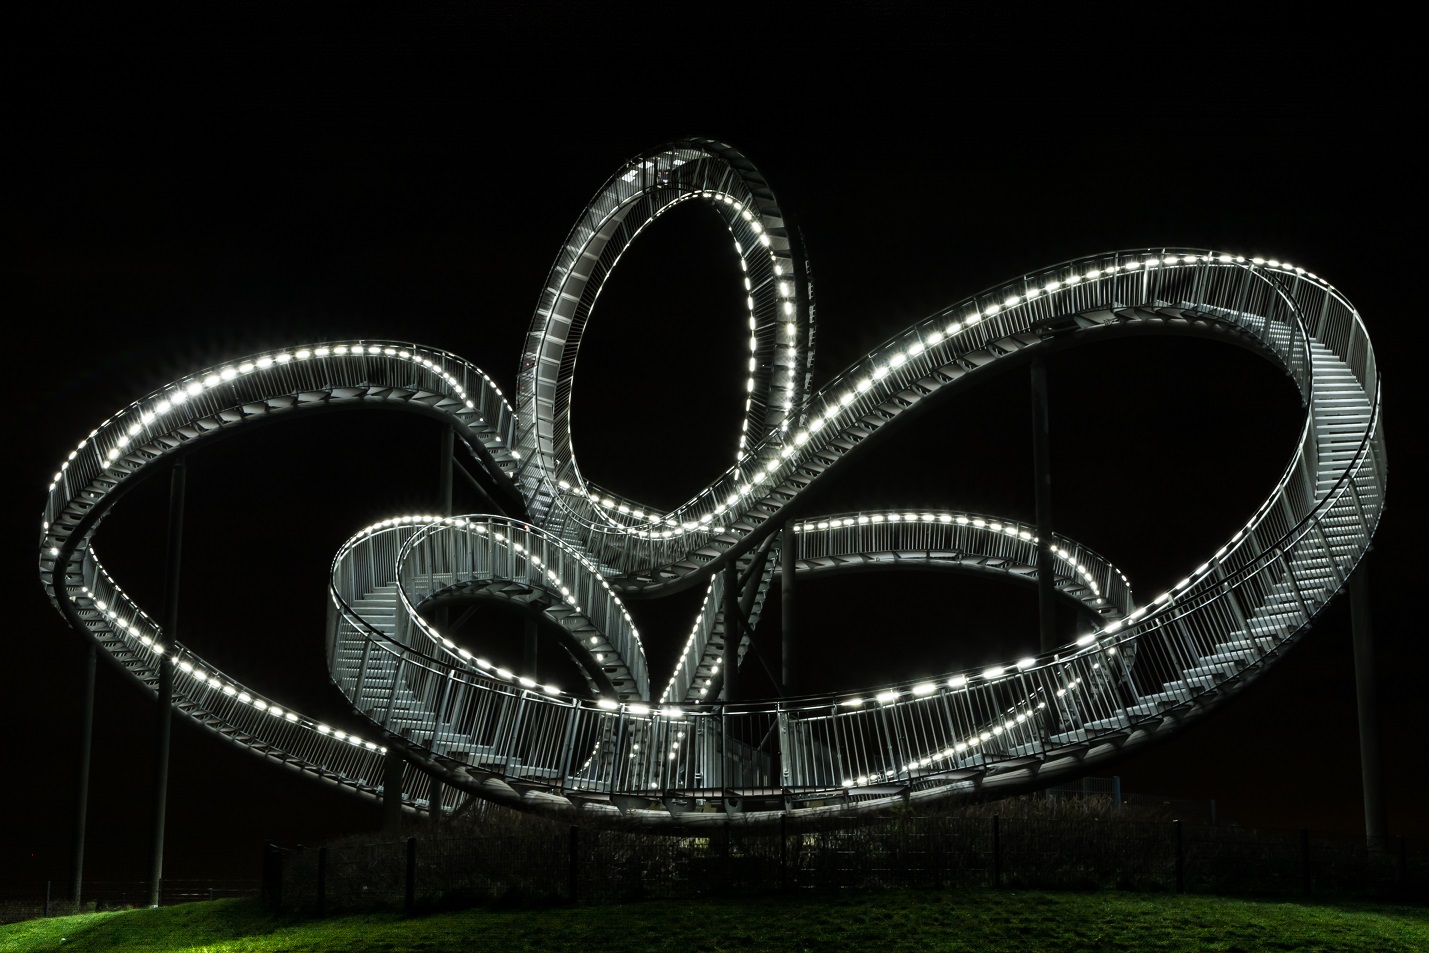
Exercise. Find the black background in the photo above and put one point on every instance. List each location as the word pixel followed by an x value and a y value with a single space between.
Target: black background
pixel 180 192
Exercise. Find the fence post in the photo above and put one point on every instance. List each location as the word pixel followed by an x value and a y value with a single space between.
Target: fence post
pixel 47 897
pixel 783 853
pixel 1180 858
pixel 726 875
pixel 410 904
pixel 1403 866
pixel 996 851
pixel 1305 857
pixel 575 860
pixel 322 881
pixel 1116 790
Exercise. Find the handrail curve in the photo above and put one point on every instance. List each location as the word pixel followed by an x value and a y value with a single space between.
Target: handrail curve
pixel 608 747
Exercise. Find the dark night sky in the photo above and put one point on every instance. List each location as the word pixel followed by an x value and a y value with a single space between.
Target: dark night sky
pixel 183 193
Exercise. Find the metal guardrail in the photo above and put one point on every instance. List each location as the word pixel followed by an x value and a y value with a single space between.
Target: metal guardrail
pixel 609 748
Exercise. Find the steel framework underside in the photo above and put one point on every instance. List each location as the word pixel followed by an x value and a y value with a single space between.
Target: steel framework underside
pixel 677 753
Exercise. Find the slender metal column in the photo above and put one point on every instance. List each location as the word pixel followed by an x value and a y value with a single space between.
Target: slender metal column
pixel 444 492
pixel 733 632
pixel 392 791
pixel 86 745
pixel 1376 827
pixel 167 637
pixel 487 499
pixel 444 503
pixel 528 654
pixel 1042 465
pixel 434 799
pixel 789 551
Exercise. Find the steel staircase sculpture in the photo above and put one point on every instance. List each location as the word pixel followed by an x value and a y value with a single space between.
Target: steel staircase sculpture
pixel 671 752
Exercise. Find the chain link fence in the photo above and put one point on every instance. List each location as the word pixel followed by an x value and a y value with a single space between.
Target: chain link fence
pixel 544 864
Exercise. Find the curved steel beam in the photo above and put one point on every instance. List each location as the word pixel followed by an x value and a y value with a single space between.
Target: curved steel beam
pixel 498 734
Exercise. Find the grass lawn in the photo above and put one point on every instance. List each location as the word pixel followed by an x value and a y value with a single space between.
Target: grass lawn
pixel 894 920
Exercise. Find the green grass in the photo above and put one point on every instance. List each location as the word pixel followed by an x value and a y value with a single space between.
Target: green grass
pixel 893 920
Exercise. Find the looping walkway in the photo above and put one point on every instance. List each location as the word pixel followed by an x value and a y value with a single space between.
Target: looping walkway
pixel 670 751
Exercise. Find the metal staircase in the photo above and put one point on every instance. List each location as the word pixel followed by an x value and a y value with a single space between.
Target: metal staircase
pixel 609 747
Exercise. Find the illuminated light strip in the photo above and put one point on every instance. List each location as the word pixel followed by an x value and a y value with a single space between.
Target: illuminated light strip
pixel 772 303
pixel 699 653
pixel 62 552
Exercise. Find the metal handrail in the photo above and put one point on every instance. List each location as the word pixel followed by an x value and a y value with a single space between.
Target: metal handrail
pixel 1140 673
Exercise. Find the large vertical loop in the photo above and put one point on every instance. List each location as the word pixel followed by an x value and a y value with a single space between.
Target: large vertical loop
pixel 778 313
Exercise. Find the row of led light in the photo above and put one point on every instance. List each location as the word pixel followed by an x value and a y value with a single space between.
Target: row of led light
pixel 934 337
pixel 634 708
pixel 533 559
pixel 1184 583
pixel 672 752
pixel 717 197
pixel 963 681
pixel 972 741
pixel 1007 529
pixel 275 710
pixel 1165 598
pixel 689 650
pixel 956 681
pixel 785 305
pixel 931 337
pixel 211 680
pixel 688 654
pixel 876 518
pixel 668 712
pixel 950 753
pixel 610 508
pixel 182 392
pixel 450 647
pixel 931 334
pixel 1274 498
pixel 1013 300
pixel 939 335
pixel 743 489
pixel 892 517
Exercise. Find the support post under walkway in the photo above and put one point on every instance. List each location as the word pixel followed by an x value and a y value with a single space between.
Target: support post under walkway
pixel 435 791
pixel 1367 697
pixel 1042 467
pixel 733 632
pixel 86 746
pixel 787 556
pixel 448 461
pixel 444 494
pixel 172 561
pixel 392 765
pixel 528 648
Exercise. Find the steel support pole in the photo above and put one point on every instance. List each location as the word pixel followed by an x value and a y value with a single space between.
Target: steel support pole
pixel 86 745
pixel 733 632
pixel 528 649
pixel 392 791
pixel 786 603
pixel 167 637
pixel 435 790
pixel 444 504
pixel 1376 827
pixel 444 491
pixel 1042 466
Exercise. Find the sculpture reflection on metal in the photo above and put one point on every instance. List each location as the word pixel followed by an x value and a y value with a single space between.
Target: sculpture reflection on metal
pixel 679 754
